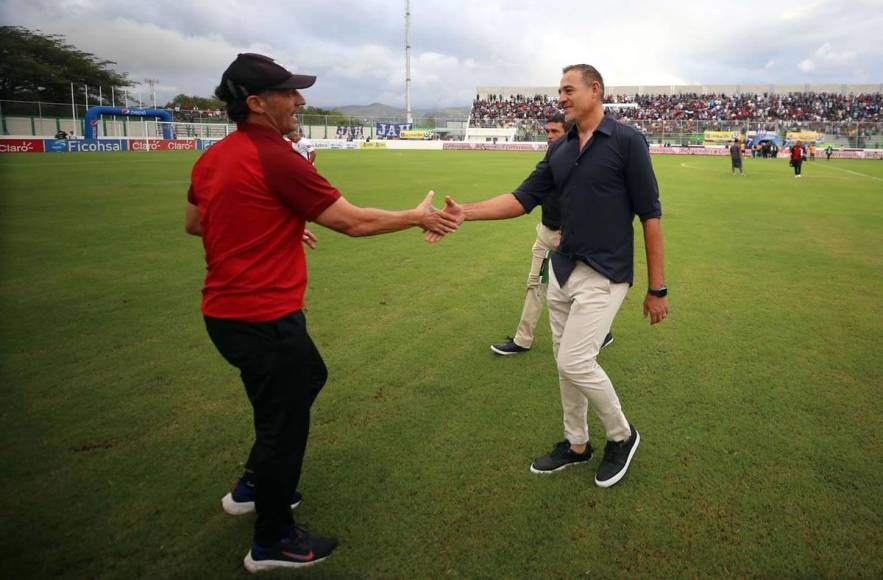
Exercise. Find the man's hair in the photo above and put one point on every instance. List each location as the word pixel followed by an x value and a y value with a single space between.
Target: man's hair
pixel 555 118
pixel 590 74
pixel 237 108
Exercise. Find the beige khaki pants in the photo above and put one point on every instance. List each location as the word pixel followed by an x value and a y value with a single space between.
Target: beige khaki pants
pixel 536 291
pixel 581 315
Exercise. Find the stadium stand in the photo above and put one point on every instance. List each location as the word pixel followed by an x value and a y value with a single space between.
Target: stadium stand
pixel 855 118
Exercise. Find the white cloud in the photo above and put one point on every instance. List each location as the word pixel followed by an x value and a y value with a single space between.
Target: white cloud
pixel 827 53
pixel 356 46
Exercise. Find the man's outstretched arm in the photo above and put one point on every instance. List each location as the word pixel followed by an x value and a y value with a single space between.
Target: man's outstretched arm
pixel 346 218
pixel 501 207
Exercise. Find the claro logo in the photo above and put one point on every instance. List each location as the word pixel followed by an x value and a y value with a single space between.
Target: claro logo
pixel 10 148
pixel 182 145
pixel 144 145
pixel 163 145
pixel 21 145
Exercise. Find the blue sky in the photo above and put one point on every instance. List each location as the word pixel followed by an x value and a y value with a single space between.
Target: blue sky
pixel 356 47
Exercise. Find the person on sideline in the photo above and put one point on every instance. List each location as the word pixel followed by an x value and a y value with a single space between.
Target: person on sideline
pixel 602 173
pixel 736 157
pixel 797 156
pixel 303 146
pixel 250 197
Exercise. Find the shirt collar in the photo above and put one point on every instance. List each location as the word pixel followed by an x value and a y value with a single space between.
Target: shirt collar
pixel 256 128
pixel 606 126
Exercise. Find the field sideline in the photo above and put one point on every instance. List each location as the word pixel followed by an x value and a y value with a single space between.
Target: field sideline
pixel 758 400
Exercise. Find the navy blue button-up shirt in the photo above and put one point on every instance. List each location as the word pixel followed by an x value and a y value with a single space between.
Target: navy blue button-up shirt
pixel 600 190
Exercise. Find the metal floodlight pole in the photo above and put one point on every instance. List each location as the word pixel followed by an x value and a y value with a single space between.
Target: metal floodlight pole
pixel 73 110
pixel 408 118
pixel 113 104
pixel 152 83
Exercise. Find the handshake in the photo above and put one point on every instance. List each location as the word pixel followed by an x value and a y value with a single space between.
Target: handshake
pixel 435 223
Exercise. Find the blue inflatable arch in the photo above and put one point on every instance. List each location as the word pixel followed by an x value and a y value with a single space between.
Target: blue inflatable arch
pixel 91 119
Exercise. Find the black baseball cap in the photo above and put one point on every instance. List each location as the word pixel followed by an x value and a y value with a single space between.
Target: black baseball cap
pixel 252 73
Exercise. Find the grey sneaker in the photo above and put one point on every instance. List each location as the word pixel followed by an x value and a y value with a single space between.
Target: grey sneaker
pixel 560 458
pixel 508 348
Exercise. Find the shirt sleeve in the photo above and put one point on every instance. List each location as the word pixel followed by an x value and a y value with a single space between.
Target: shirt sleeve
pixel 641 181
pixel 538 185
pixel 191 196
pixel 296 183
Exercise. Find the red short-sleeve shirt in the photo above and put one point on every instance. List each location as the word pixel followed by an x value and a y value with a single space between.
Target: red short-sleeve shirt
pixel 255 195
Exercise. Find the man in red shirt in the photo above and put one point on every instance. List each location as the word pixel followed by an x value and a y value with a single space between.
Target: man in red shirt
pixel 249 199
pixel 797 157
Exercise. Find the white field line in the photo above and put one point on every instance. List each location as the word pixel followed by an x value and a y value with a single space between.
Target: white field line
pixel 822 164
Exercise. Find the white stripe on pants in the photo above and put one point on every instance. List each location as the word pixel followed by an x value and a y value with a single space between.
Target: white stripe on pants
pixel 581 315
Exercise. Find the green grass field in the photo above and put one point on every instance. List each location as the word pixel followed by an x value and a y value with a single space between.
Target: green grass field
pixel 758 400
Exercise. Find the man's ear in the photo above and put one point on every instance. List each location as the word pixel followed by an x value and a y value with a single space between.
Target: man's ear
pixel 254 104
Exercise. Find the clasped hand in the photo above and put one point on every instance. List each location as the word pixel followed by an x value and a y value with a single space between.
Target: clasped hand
pixel 449 218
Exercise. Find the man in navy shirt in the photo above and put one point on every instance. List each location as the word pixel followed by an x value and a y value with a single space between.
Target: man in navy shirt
pixel 601 170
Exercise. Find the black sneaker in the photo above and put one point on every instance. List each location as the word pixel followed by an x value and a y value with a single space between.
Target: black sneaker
pixel 608 340
pixel 240 500
pixel 617 457
pixel 299 549
pixel 508 348
pixel 560 458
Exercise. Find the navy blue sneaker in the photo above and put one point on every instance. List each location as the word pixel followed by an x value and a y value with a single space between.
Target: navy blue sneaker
pixel 508 348
pixel 561 457
pixel 240 500
pixel 608 340
pixel 299 549
pixel 618 456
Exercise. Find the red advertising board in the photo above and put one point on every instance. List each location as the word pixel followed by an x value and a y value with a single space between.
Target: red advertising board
pixel 163 145
pixel 21 146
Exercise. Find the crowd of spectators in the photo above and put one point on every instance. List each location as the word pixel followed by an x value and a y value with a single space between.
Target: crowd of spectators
pixel 195 115
pixel 496 111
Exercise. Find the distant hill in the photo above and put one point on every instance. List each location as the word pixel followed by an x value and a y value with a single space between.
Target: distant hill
pixel 379 110
pixel 372 110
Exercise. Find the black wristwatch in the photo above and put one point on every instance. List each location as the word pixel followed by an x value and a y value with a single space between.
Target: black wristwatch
pixel 660 292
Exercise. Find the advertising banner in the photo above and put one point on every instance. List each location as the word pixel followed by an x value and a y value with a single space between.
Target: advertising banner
pixel 657 149
pixel 55 145
pixel 204 144
pixel 372 145
pixel 96 145
pixel 415 134
pixel 391 130
pixel 334 144
pixel 805 136
pixel 458 146
pixel 719 136
pixel 21 145
pixel 163 145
